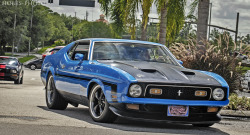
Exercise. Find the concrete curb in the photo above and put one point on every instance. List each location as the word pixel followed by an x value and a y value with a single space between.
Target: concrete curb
pixel 235 113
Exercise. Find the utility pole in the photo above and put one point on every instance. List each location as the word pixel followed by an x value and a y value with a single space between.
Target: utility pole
pixel 210 18
pixel 13 44
pixel 237 26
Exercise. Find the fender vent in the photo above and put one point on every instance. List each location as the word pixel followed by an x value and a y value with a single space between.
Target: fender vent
pixel 188 73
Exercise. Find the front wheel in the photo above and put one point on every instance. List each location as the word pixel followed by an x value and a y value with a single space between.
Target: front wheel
pixel 33 67
pixel 99 107
pixel 53 99
pixel 203 125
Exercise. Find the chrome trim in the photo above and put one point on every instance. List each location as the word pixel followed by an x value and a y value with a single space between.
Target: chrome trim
pixel 178 86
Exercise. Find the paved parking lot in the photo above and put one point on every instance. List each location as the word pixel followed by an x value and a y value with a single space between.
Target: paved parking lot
pixel 23 111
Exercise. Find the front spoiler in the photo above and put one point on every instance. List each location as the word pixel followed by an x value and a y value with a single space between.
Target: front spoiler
pixel 201 118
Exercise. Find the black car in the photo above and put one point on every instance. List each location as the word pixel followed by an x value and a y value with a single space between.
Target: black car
pixel 36 64
pixel 11 70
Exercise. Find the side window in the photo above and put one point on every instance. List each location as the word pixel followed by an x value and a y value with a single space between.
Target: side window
pixel 71 52
pixel 82 49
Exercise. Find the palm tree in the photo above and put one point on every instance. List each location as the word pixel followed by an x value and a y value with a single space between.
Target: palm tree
pixel 203 13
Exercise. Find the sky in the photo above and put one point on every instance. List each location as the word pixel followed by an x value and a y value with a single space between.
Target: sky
pixel 224 13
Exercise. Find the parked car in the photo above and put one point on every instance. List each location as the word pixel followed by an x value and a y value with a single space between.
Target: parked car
pixel 133 79
pixel 240 56
pixel 11 70
pixel 52 51
pixel 36 64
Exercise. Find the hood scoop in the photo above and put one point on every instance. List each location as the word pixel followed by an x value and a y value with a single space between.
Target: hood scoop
pixel 149 70
pixel 188 73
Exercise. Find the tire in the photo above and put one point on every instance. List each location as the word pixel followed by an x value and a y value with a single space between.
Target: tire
pixel 18 81
pixel 53 99
pixel 33 67
pixel 203 125
pixel 21 81
pixel 98 102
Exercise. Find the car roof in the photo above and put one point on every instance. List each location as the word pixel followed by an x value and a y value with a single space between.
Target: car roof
pixel 119 40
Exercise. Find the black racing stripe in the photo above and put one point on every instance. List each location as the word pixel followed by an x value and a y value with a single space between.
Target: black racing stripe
pixel 79 78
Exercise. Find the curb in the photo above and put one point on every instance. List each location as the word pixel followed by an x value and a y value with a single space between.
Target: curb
pixel 235 113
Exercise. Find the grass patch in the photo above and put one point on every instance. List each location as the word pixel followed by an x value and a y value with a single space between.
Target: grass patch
pixel 9 54
pixel 41 51
pixel 26 58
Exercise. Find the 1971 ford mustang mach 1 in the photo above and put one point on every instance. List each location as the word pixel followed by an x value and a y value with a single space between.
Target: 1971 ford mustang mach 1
pixel 132 79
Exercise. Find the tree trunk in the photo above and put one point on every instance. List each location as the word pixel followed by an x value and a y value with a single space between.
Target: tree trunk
pixel 144 31
pixel 163 24
pixel 203 13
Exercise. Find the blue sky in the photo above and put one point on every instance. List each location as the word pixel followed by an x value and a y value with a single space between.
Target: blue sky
pixel 223 12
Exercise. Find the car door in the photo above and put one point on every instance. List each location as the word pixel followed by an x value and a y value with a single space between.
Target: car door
pixel 68 79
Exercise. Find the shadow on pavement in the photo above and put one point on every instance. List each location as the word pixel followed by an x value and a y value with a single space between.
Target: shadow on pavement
pixel 135 125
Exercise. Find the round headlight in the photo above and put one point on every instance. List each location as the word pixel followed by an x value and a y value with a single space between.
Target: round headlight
pixel 13 71
pixel 218 94
pixel 135 90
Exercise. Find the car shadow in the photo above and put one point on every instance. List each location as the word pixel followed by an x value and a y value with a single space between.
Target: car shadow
pixel 136 125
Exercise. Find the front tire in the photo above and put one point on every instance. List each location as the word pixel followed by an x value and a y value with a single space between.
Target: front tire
pixel 203 125
pixel 53 99
pixel 99 107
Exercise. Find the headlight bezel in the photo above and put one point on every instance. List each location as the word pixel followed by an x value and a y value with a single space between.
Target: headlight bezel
pixel 137 95
pixel 216 91
pixel 13 71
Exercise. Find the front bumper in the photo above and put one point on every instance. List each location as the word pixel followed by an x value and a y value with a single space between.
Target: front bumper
pixel 8 77
pixel 151 112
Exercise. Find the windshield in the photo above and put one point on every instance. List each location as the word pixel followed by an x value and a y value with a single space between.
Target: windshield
pixel 131 52
pixel 8 61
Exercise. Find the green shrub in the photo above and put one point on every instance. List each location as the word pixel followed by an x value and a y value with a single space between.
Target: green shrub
pixel 238 103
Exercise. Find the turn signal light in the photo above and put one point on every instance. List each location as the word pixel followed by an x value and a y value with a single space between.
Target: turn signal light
pixel 212 109
pixel 132 106
pixel 200 93
pixel 155 91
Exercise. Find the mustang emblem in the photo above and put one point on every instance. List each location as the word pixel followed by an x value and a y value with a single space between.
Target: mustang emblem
pixel 179 93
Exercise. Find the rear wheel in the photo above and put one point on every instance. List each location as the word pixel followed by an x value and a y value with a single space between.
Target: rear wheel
pixel 33 67
pixel 99 107
pixel 203 125
pixel 53 99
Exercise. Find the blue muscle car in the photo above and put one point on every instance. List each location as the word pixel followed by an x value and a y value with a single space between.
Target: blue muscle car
pixel 132 79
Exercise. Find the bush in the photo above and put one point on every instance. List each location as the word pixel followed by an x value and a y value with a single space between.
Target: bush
pixel 209 58
pixel 238 103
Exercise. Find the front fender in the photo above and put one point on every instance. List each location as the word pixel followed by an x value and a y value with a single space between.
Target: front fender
pixel 97 81
pixel 218 78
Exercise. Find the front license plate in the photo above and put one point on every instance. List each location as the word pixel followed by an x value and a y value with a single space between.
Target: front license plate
pixel 178 111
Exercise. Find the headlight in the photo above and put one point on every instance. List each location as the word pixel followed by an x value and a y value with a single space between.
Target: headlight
pixel 13 71
pixel 135 90
pixel 218 94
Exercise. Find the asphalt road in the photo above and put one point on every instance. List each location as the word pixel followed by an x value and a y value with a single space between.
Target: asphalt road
pixel 23 112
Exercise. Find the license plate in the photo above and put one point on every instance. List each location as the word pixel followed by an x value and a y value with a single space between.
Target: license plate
pixel 178 111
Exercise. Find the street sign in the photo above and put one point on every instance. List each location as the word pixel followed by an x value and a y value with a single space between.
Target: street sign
pixel 83 3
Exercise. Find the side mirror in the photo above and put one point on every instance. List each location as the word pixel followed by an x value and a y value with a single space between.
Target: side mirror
pixel 79 56
pixel 181 62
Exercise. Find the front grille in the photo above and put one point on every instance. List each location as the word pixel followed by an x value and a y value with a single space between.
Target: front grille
pixel 178 93
pixel 4 70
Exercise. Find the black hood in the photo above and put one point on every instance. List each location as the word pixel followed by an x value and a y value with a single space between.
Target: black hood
pixel 155 72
